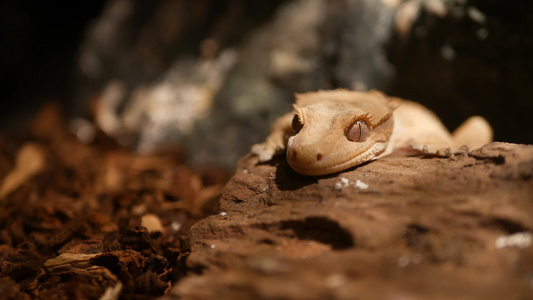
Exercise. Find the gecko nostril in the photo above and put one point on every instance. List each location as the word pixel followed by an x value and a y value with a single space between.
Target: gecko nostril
pixel 318 157
pixel 293 154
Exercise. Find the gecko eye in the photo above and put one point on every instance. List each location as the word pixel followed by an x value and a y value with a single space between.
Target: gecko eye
pixel 358 132
pixel 297 125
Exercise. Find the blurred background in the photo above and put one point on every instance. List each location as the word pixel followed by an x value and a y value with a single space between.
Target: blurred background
pixel 212 75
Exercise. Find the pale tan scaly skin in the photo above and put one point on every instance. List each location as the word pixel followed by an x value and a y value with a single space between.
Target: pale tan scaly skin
pixel 321 146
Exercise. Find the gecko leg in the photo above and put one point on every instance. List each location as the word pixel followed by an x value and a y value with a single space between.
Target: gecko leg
pixel 276 141
pixel 473 133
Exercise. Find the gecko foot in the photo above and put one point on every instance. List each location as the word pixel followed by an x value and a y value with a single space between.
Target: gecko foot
pixel 265 153
pixel 436 152
pixel 428 151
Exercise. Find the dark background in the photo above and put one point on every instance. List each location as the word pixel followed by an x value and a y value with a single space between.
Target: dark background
pixel 493 77
pixel 38 45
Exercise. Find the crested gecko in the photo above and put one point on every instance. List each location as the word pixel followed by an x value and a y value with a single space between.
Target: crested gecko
pixel 330 131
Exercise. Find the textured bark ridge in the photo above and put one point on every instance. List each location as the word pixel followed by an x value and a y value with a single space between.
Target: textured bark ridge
pixel 397 228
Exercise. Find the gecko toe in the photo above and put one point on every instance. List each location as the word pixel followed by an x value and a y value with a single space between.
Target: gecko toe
pixel 265 154
pixel 425 150
pixel 448 152
pixel 462 150
pixel 415 146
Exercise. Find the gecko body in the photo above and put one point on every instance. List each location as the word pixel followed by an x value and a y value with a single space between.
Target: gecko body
pixel 330 131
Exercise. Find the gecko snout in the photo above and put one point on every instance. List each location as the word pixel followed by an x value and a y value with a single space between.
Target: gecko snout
pixel 307 158
pixel 306 155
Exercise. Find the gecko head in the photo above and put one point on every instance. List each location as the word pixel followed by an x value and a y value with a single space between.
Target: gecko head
pixel 336 130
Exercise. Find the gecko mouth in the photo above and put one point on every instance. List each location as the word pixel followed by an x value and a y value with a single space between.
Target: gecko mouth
pixel 322 169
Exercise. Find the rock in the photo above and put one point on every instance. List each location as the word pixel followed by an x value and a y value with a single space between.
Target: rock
pixel 397 227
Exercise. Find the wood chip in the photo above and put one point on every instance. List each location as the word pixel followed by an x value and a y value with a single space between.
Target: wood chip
pixel 152 223
pixel 30 161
